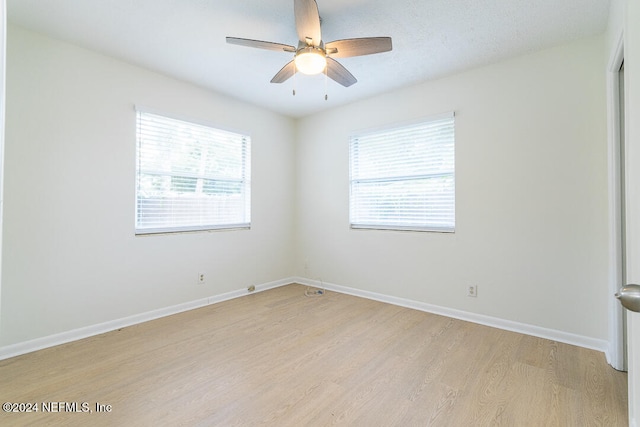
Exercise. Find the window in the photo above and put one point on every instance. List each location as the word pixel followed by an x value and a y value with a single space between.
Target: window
pixel 190 177
pixel 404 178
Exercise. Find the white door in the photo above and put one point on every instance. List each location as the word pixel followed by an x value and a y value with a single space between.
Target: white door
pixel 632 154
pixel 623 209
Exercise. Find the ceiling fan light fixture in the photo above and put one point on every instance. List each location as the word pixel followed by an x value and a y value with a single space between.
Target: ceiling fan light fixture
pixel 310 60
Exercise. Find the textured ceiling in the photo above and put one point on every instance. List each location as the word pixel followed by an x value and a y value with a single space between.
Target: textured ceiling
pixel 431 38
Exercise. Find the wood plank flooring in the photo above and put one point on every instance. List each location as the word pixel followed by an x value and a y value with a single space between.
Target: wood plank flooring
pixel 280 358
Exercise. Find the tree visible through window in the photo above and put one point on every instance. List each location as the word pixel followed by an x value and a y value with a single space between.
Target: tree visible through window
pixel 404 178
pixel 190 176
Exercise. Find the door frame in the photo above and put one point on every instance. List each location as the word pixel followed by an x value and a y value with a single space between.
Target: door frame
pixel 616 350
pixel 3 74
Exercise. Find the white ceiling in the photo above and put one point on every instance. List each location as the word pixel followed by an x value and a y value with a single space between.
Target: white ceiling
pixel 431 38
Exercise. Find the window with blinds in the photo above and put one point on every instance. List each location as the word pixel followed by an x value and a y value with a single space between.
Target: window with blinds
pixel 190 177
pixel 404 178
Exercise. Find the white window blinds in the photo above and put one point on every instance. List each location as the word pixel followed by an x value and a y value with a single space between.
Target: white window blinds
pixel 404 178
pixel 190 177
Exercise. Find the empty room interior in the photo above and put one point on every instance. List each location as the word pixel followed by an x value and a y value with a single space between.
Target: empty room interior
pixel 427 230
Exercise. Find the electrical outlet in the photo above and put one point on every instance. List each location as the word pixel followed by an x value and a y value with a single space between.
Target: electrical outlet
pixel 200 278
pixel 472 291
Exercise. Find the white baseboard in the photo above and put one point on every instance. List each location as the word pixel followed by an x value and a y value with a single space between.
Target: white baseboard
pixel 523 328
pixel 89 331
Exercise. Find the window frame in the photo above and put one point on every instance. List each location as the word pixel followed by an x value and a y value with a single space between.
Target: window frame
pixel 354 224
pixel 244 182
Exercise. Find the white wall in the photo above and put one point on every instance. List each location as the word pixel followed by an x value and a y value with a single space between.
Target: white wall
pixel 531 194
pixel 71 258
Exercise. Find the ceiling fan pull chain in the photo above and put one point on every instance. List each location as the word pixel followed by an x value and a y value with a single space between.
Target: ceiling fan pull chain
pixel 326 78
pixel 295 71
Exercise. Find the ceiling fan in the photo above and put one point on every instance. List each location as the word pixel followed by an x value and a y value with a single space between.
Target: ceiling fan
pixel 313 56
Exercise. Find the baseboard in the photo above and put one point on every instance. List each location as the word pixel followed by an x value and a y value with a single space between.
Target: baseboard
pixel 13 350
pixel 523 328
pixel 88 331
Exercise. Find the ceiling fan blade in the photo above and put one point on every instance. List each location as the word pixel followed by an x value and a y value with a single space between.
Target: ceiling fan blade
pixel 358 47
pixel 261 44
pixel 285 73
pixel 337 72
pixel 307 21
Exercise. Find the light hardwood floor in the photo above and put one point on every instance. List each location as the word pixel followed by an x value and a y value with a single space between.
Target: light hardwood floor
pixel 280 358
